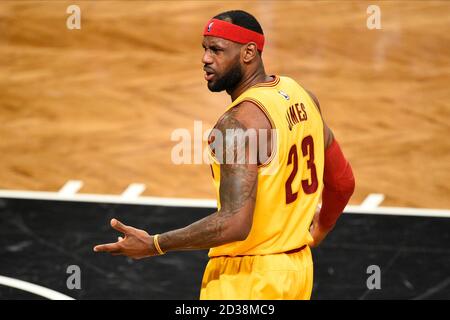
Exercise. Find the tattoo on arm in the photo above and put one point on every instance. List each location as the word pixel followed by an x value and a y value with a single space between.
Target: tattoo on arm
pixel 238 184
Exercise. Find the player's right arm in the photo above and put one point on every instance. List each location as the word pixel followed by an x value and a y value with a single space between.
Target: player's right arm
pixel 238 189
pixel 339 184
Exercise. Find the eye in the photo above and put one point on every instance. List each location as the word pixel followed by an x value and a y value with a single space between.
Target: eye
pixel 213 49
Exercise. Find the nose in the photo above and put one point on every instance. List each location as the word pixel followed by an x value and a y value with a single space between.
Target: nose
pixel 207 59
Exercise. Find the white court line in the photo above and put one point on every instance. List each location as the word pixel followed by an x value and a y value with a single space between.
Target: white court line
pixel 106 198
pixel 33 288
pixel 71 187
pixel 372 201
pixel 201 203
pixel 133 191
pixel 399 211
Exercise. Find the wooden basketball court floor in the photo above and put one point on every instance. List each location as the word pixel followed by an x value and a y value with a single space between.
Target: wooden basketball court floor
pixel 99 105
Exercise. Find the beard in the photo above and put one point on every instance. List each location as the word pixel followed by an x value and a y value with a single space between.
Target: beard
pixel 229 80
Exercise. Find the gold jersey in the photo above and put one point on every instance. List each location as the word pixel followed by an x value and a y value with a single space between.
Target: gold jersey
pixel 290 182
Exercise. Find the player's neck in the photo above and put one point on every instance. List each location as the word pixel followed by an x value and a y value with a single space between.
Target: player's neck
pixel 249 81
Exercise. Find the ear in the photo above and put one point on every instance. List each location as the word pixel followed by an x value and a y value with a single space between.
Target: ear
pixel 249 52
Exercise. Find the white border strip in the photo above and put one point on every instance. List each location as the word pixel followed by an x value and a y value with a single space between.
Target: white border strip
pixel 33 288
pixel 133 191
pixel 105 198
pixel 372 201
pixel 202 203
pixel 399 211
pixel 71 187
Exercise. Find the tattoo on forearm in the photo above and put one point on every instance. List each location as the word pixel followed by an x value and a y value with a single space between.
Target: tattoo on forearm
pixel 238 185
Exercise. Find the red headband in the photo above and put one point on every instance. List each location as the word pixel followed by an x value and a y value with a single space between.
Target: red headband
pixel 229 31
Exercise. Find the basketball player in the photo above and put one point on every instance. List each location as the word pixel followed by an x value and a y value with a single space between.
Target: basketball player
pixel 260 237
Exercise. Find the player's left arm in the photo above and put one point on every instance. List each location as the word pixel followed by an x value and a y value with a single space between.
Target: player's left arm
pixel 339 184
pixel 238 187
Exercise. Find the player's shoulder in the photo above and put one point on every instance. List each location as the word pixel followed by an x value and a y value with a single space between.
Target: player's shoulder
pixel 290 81
pixel 314 98
pixel 245 114
pixel 286 80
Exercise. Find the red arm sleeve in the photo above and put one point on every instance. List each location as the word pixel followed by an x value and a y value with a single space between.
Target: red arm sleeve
pixel 339 185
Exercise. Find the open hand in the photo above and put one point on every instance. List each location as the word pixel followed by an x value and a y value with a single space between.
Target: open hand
pixel 135 243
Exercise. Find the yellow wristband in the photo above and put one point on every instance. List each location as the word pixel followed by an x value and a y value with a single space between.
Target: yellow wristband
pixel 156 243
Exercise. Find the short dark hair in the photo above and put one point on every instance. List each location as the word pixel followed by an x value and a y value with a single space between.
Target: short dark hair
pixel 242 19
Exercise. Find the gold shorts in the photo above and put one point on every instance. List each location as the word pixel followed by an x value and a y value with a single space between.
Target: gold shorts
pixel 286 276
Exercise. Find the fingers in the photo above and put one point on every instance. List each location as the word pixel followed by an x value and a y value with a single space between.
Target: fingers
pixel 109 247
pixel 119 226
pixel 117 254
pixel 119 239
